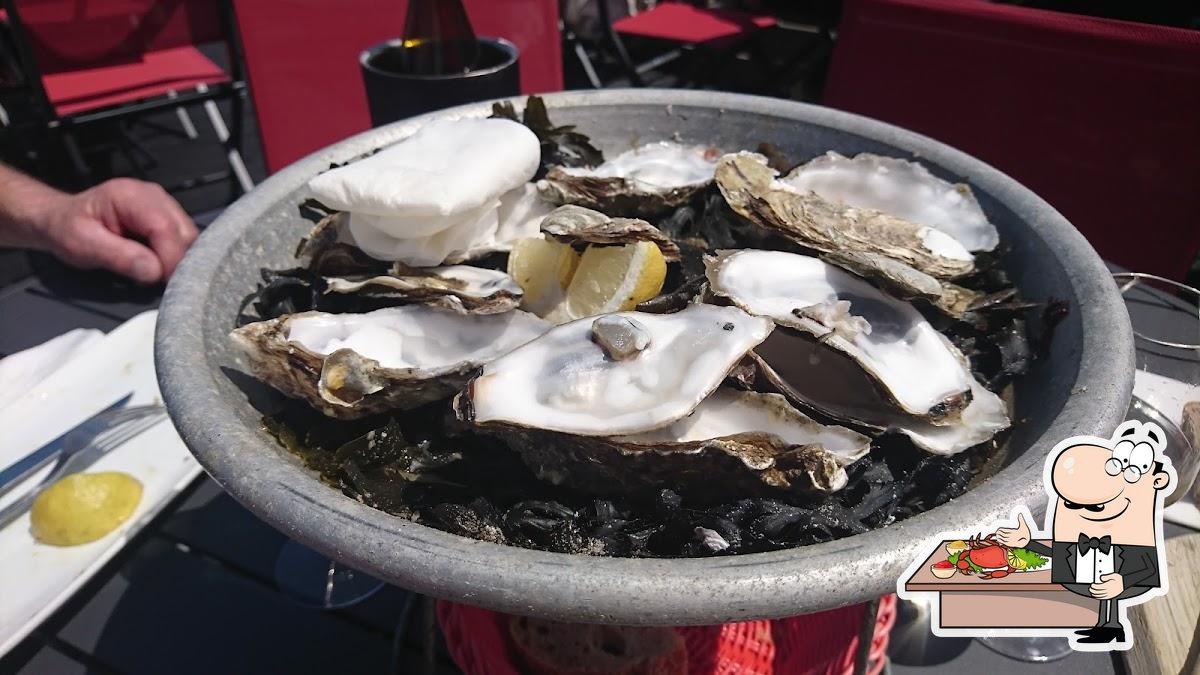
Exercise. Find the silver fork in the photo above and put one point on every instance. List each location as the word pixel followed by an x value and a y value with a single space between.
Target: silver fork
pixel 96 438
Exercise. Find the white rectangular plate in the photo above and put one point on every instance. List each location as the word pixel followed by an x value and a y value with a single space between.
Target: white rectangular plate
pixel 37 579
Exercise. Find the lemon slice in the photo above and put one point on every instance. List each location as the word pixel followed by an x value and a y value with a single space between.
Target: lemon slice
pixel 614 279
pixel 1015 562
pixel 543 269
pixel 84 507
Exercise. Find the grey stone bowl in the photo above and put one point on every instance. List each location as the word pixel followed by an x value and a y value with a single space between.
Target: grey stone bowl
pixel 1083 387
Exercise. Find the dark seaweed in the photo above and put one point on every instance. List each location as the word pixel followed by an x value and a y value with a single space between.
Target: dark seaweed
pixel 298 290
pixel 282 292
pixel 561 145
pixel 315 211
pixel 423 465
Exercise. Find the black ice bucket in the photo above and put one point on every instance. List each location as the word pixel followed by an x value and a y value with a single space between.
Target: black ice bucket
pixel 393 94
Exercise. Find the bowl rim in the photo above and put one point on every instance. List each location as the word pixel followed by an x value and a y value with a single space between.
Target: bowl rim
pixel 625 590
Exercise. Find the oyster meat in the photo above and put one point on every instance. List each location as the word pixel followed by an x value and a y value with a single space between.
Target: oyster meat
pixel 459 288
pixel 900 188
pixel 565 381
pixel 351 365
pixel 572 224
pixel 647 180
pixel 735 443
pixel 912 362
pixel 450 190
pixel 832 385
pixel 752 190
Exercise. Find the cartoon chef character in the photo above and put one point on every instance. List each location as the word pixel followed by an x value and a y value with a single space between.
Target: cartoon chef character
pixel 1103 515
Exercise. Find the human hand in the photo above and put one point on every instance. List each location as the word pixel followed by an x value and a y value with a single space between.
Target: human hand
pixel 127 226
pixel 1111 585
pixel 1014 537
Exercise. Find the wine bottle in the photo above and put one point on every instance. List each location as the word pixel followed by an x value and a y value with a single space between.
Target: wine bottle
pixel 438 38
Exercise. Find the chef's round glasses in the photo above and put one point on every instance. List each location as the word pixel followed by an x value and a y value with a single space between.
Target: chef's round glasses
pixel 1114 466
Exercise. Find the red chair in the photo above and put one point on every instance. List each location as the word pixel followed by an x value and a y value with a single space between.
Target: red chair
pixel 302 61
pixel 95 60
pixel 1099 117
pixel 694 30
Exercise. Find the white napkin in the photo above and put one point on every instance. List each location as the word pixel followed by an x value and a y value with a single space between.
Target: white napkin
pixel 445 168
pixel 20 372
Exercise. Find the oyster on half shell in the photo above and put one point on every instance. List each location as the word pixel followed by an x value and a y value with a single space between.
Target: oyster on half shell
pixel 900 188
pixel 565 381
pixel 645 181
pixel 734 443
pixel 752 190
pixel 911 361
pixel 832 385
pixel 572 224
pixel 351 365
pixel 459 288
pixel 906 282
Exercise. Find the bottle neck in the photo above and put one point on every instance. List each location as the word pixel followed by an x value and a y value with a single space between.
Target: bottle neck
pixel 438 38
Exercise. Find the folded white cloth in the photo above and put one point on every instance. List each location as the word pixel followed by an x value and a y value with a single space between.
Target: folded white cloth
pixel 22 371
pixel 517 214
pixel 446 168
pixel 444 194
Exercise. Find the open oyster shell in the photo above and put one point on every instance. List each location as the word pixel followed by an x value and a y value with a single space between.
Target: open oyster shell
pixel 645 181
pixel 572 224
pixel 459 288
pixel 751 189
pixel 352 365
pixel 900 188
pixel 329 250
pixel 564 381
pixel 734 443
pixel 906 282
pixel 911 361
pixel 833 386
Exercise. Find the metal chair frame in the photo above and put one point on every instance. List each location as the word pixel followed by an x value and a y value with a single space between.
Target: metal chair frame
pixel 61 127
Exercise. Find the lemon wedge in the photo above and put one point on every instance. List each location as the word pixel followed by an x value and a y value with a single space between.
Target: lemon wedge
pixel 543 269
pixel 613 279
pixel 84 507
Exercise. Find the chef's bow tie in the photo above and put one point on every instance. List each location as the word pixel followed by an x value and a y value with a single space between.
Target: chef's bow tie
pixel 1086 543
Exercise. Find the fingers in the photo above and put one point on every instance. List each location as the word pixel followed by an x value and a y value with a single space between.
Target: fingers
pixel 146 210
pixel 1105 590
pixel 91 245
pixel 1106 577
pixel 1021 521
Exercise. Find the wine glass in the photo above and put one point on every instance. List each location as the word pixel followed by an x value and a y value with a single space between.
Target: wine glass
pixel 1166 327
pixel 318 581
pixel 1027 649
pixel 1166 323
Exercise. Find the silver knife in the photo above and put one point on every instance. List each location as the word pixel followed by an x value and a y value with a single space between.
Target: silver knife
pixel 30 464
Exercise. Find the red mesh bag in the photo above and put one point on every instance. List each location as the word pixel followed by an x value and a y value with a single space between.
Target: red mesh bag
pixel 822 643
